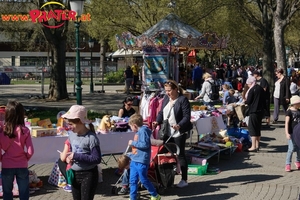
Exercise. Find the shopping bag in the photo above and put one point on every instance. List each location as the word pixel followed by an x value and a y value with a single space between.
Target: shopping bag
pixel 56 178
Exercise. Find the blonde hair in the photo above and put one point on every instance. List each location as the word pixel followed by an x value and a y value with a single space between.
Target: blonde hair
pixel 123 161
pixel 136 119
pixel 206 75
pixel 174 86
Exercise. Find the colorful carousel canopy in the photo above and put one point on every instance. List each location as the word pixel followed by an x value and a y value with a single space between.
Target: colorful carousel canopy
pixel 171 32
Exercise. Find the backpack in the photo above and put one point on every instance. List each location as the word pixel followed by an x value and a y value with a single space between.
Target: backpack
pixel 214 95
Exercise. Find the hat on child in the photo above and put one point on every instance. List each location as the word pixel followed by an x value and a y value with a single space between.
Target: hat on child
pixel 295 100
pixel 77 112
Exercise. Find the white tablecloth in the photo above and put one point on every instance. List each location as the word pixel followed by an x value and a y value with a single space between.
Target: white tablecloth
pixel 205 125
pixel 45 148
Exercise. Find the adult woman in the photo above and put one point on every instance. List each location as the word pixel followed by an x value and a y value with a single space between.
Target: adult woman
pixel 85 155
pixel 126 110
pixel 179 119
pixel 282 93
pixel 255 99
pixel 206 90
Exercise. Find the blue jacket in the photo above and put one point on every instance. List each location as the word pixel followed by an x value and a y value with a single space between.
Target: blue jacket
pixel 182 110
pixel 141 146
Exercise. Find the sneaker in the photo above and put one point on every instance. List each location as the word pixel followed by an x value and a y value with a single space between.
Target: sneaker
pixel 297 165
pixel 288 168
pixel 68 188
pixel 123 191
pixel 156 198
pixel 182 184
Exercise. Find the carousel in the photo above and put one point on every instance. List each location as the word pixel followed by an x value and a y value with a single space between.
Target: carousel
pixel 163 43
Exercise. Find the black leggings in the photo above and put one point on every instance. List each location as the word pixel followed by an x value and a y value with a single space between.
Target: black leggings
pixel 85 184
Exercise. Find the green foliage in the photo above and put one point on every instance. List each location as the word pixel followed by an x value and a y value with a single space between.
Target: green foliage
pixel 115 77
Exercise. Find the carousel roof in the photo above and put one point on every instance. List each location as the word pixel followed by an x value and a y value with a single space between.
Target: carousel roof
pixel 171 32
pixel 172 23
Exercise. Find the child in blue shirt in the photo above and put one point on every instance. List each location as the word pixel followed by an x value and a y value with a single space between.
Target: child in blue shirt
pixel 140 157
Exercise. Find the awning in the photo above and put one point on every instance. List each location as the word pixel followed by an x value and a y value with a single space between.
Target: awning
pixel 127 53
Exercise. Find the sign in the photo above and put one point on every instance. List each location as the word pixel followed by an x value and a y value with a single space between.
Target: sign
pixel 156 68
pixel 52 18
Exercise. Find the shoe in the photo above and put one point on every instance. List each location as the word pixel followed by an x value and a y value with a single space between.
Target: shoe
pixel 182 184
pixel 274 122
pixel 297 165
pixel 156 198
pixel 288 168
pixel 68 188
pixel 123 191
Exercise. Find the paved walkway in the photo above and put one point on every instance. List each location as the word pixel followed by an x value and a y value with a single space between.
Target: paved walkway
pixel 244 176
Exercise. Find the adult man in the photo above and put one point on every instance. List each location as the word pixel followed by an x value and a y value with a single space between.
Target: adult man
pixel 136 69
pixel 197 77
pixel 265 85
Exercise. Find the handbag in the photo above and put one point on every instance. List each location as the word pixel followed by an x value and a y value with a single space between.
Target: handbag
pixel 164 130
pixel 56 178
pixel 246 111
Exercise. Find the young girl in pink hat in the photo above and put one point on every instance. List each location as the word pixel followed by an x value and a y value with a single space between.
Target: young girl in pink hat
pixel 85 154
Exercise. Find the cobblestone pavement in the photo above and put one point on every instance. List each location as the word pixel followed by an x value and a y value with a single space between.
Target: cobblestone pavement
pixel 244 176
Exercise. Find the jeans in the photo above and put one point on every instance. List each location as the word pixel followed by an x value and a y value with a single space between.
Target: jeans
pixel 138 171
pixel 291 148
pixel 277 104
pixel 22 177
pixel 128 82
pixel 125 177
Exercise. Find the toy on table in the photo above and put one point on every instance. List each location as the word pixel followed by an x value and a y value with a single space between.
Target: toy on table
pixel 105 125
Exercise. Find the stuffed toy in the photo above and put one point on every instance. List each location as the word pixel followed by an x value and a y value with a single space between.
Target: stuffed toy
pixel 34 181
pixel 105 124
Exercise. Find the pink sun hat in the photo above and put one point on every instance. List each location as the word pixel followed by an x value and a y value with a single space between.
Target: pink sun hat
pixel 77 112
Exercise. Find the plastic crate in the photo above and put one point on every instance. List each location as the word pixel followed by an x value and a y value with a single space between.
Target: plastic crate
pixel 197 169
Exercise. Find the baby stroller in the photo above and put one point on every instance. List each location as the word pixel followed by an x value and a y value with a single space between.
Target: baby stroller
pixel 163 164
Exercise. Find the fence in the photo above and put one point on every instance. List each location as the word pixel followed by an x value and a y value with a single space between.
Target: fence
pixel 33 72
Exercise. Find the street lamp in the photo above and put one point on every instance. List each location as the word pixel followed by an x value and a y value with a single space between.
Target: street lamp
pixel 91 46
pixel 77 6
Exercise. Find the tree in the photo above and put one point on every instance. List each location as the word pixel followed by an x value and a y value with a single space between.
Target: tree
pixel 36 33
pixel 284 10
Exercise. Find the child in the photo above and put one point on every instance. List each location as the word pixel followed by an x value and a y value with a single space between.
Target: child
pixel 13 138
pixel 140 157
pixel 231 98
pixel 292 118
pixel 123 163
pixel 85 153
pixel 63 166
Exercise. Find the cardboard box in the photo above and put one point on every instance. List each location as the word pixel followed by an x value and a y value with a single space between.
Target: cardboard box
pixel 197 169
pixel 240 111
pixel 33 121
pixel 42 132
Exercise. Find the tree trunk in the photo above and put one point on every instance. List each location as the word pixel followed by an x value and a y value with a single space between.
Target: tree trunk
pixel 279 44
pixel 58 86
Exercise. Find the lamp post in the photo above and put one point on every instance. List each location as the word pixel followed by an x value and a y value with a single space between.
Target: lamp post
pixel 91 46
pixel 77 6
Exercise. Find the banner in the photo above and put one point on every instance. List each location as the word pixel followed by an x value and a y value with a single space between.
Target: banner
pixel 156 68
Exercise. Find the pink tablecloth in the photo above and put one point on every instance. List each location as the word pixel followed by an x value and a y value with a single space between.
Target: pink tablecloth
pixel 46 147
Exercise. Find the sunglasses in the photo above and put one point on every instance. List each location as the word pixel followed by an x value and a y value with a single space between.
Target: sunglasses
pixel 129 104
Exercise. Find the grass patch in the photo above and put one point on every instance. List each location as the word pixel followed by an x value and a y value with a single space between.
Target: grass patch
pixel 51 113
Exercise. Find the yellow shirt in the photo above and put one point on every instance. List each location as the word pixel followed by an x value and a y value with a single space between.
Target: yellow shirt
pixel 135 70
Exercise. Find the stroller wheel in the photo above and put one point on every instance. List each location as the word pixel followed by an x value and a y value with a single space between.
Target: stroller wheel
pixel 161 190
pixel 114 190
